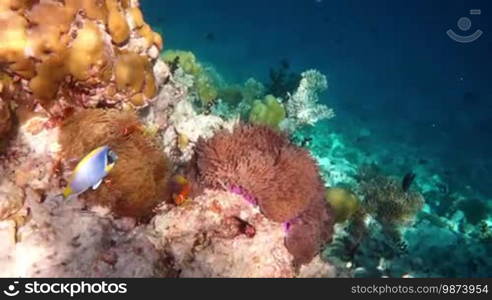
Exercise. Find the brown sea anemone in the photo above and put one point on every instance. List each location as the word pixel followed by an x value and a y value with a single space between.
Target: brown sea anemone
pixel 261 165
pixel 140 178
pixel 5 118
pixel 309 232
pixel 262 162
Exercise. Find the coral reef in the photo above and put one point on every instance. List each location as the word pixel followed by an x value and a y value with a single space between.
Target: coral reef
pixel 77 53
pixel 140 178
pixel 204 84
pixel 260 164
pixel 264 163
pixel 213 179
pixel 302 106
pixel 92 76
pixel 385 199
pixel 205 239
pixel 44 235
pixel 268 112
pixel 184 129
pixel 344 203
pixel 231 94
pixel 237 101
pixel 12 199
pixel 252 90
pixel 61 239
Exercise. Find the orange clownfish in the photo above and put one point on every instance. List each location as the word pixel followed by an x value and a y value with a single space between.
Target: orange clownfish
pixel 184 190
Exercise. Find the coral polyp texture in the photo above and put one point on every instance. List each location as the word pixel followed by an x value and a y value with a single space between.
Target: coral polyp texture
pixel 386 200
pixel 344 203
pixel 77 53
pixel 140 178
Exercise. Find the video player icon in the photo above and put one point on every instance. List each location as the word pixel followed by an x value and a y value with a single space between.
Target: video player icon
pixel 11 290
pixel 464 24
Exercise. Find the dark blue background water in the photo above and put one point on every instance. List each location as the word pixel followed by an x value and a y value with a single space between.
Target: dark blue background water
pixel 390 65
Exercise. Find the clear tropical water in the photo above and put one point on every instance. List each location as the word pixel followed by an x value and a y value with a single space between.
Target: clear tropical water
pixel 405 94
pixel 390 65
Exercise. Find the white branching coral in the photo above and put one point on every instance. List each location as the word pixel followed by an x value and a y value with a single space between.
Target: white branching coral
pixel 302 106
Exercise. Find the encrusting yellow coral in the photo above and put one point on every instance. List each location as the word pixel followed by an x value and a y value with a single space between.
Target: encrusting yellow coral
pixel 117 25
pixel 269 112
pixel 60 51
pixel 344 203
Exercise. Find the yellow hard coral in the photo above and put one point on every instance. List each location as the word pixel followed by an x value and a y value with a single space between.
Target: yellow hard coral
pixel 344 202
pixel 118 27
pixel 146 32
pixel 47 33
pixel 158 40
pixel 61 50
pixel 134 75
pixel 137 17
pixel 13 37
pixel 150 89
pixel 94 9
pixel 206 90
pixel 48 76
pixel 87 52
pixel 130 72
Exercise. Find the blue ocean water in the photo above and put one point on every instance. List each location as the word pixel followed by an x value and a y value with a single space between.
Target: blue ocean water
pixel 392 71
pixel 391 67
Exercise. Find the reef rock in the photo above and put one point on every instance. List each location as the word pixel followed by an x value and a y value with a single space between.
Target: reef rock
pixel 77 53
pixel 186 127
pixel 62 239
pixel 11 198
pixel 219 234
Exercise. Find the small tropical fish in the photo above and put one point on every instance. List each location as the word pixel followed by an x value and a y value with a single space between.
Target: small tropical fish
pixel 402 247
pixel 91 170
pixel 210 37
pixel 407 181
pixel 183 190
